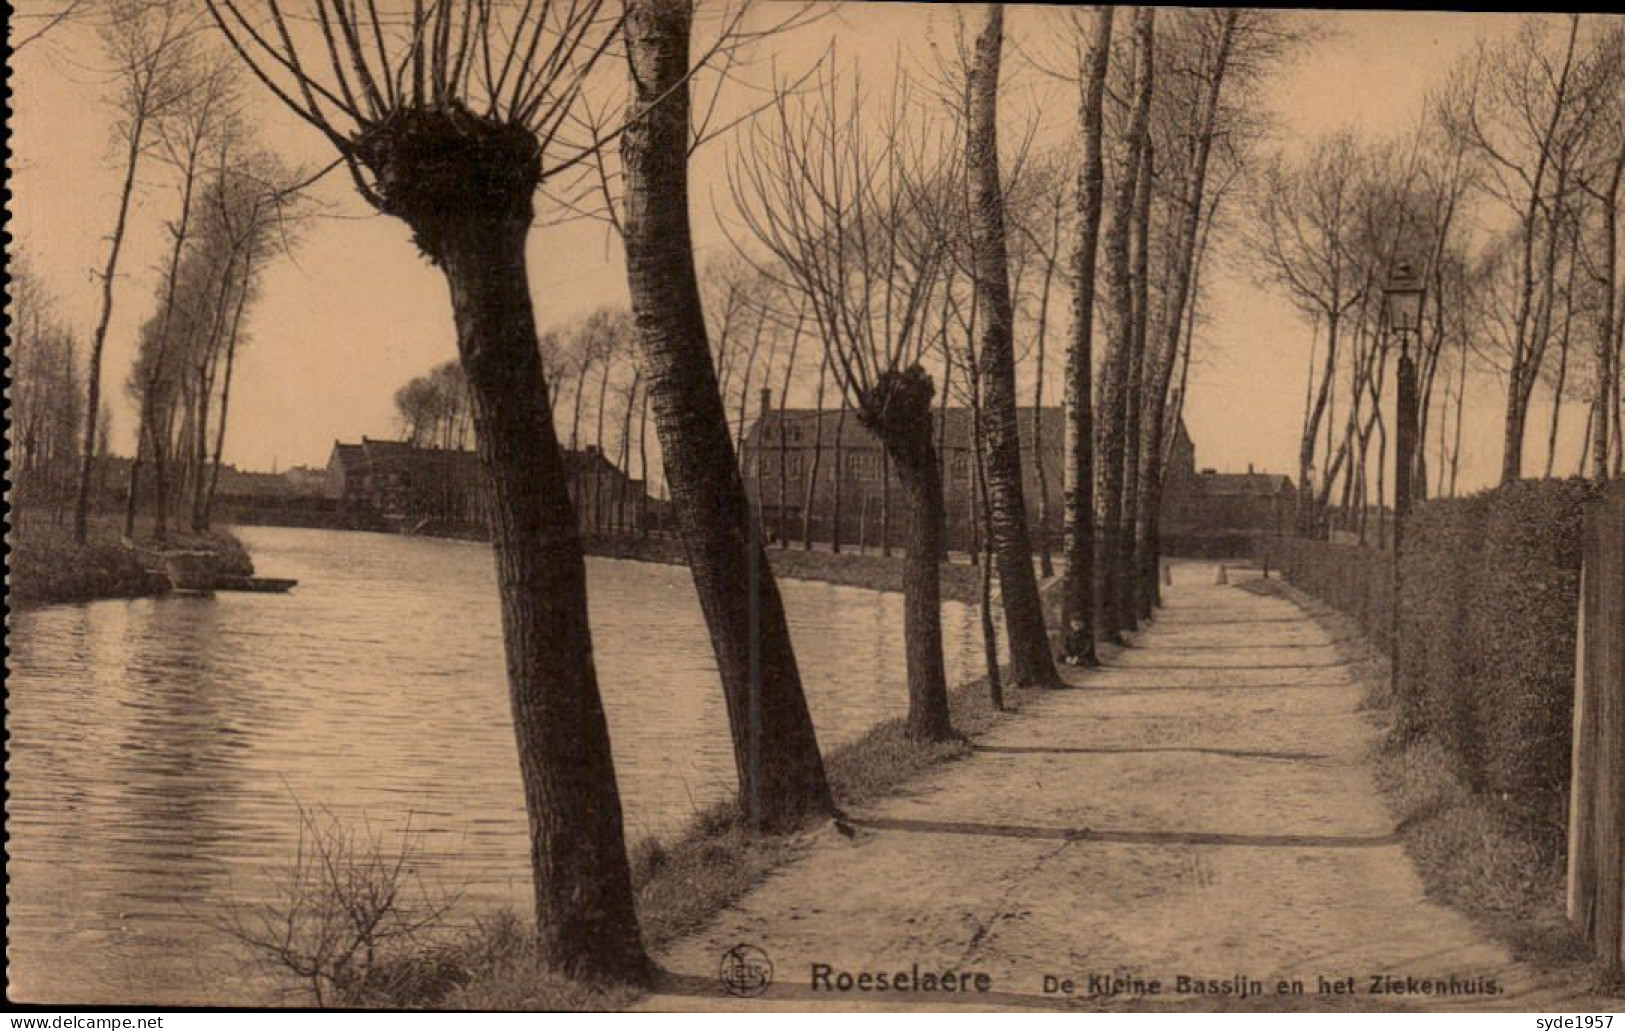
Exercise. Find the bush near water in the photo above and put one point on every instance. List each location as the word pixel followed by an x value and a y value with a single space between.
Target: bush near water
pixel 48 565
pixel 1489 595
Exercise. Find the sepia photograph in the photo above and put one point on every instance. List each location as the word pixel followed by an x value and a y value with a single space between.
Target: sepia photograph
pixel 543 506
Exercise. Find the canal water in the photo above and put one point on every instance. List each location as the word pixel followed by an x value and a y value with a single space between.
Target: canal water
pixel 160 749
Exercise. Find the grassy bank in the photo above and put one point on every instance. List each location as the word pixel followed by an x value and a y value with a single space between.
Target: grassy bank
pixel 681 884
pixel 48 565
pixel 1471 849
pixel 960 583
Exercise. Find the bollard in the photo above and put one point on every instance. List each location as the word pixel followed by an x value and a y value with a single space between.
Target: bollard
pixel 1224 575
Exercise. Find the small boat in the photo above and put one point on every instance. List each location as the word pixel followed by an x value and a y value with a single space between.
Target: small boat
pixel 261 584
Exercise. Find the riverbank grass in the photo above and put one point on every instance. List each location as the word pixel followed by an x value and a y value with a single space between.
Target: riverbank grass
pixel 48 565
pixel 681 884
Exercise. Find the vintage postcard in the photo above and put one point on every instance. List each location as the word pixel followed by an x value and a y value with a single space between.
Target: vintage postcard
pixel 658 505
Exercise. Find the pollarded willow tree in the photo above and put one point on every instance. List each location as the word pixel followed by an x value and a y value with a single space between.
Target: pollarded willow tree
pixel 852 217
pixel 449 115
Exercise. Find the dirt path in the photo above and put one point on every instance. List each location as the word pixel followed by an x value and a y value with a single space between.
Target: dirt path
pixel 1203 807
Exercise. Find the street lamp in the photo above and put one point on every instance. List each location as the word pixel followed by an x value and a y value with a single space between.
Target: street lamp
pixel 1404 295
pixel 1402 300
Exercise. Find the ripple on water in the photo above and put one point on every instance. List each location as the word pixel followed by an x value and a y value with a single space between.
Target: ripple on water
pixel 158 745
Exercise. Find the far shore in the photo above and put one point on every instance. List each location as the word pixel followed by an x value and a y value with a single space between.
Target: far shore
pixel 49 567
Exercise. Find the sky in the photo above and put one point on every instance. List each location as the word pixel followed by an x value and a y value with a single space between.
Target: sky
pixel 355 311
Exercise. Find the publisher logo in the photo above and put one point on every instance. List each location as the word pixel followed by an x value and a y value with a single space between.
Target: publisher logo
pixel 746 971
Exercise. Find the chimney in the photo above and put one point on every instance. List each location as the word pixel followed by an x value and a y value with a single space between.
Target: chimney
pixel 1249 468
pixel 767 401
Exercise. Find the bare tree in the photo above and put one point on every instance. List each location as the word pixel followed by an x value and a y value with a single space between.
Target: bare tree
pixel 1030 657
pixel 1115 612
pixel 1040 219
pixel 1078 607
pixel 1218 58
pixel 855 226
pixel 47 395
pixel 149 45
pixel 450 120
pixel 1603 182
pixel 1526 107
pixel 1301 244
pixel 780 771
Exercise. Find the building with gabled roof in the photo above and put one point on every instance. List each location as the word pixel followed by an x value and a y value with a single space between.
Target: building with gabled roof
pixel 785 447
pixel 411 487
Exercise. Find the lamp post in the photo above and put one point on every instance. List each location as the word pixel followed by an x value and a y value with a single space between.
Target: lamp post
pixel 1403 306
pixel 1403 297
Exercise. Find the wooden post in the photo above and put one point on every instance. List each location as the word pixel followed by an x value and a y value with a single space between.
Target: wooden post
pixel 1583 772
pixel 1596 869
pixel 1606 684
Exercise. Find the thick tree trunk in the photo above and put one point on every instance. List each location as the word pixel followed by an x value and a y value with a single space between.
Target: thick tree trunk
pixel 897 410
pixel 1078 484
pixel 584 911
pixel 1030 659
pixel 922 603
pixel 1111 432
pixel 1134 543
pixel 464 184
pixel 781 773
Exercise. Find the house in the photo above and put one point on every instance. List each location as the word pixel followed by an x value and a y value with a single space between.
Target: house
pixel 1218 515
pixel 411 486
pixel 1203 513
pixel 783 448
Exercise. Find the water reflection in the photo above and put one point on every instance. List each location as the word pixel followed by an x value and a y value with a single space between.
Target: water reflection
pixel 157 744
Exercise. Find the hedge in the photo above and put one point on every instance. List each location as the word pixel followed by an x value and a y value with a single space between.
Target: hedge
pixel 1489 591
